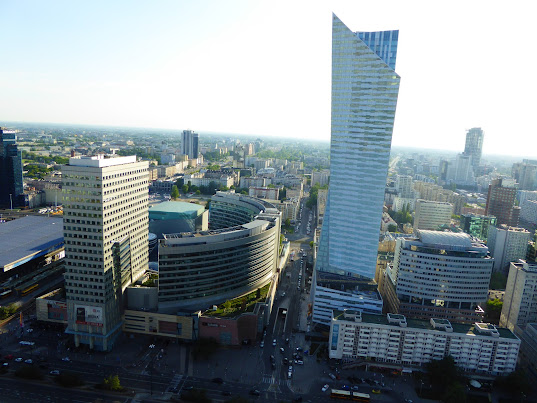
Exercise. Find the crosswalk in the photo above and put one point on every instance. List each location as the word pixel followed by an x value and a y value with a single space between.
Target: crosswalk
pixel 272 380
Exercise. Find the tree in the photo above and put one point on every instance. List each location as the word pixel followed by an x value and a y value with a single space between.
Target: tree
pixel 493 310
pixel 443 373
pixel 198 192
pixel 208 204
pixel 455 393
pixel 392 228
pixel 175 192
pixel 112 383
pixel 258 293
pixel 227 305
pixel 184 189
pixel 311 244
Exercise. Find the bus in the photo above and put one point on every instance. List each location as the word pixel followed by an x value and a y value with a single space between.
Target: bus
pixel 5 294
pixel 29 289
pixel 348 395
pixel 341 394
pixel 361 397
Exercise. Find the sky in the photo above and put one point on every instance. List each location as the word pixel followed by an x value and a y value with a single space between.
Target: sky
pixel 264 67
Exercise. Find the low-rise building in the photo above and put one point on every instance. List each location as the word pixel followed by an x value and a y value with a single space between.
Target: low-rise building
pixel 478 347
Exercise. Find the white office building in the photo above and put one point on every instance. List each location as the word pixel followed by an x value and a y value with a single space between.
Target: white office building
pixel 506 245
pixel 365 87
pixel 430 215
pixel 478 347
pixel 105 219
pixel 520 298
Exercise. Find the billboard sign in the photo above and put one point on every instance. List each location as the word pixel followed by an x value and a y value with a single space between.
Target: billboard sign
pixel 89 315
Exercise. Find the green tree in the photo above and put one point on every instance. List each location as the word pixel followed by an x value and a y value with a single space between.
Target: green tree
pixel 392 228
pixel 197 192
pixel 208 204
pixel 443 373
pixel 112 382
pixel 455 393
pixel 515 383
pixel 227 305
pixel 184 188
pixel 311 244
pixel 493 310
pixel 175 192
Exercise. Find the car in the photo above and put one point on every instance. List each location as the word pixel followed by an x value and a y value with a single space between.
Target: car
pixel 290 368
pixel 262 344
pixel 345 387
pixel 273 366
pixel 29 361
pixel 409 401
pixel 376 391
pixel 299 362
pixel 264 333
pixel 5 364
pixel 283 294
pixel 54 372
pixel 218 380
pixel 29 330
pixel 255 392
pixel 325 388
pixel 289 375
pixel 189 387
pixel 299 349
pixel 285 361
pixel 226 393
pixel 9 357
pixel 272 359
pixel 274 343
pixel 332 376
pixel 18 359
pixel 66 359
pixel 287 341
pixel 282 350
pixel 355 388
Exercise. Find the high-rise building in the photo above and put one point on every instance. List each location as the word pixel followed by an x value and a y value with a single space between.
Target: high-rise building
pixel 525 175
pixel 105 219
pixel 364 98
pixel 11 184
pixel 190 144
pixel 474 146
pixel 430 215
pixel 506 245
pixel 438 274
pixel 520 299
pixel 501 203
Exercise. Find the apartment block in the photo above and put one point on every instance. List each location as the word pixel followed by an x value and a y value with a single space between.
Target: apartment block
pixel 506 245
pixel 430 215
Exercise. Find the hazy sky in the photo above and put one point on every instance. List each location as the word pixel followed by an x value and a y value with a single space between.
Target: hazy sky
pixel 263 67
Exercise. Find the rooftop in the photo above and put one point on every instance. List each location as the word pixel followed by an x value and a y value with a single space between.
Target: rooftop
pixel 175 209
pixel 459 239
pixel 468 329
pixel 28 237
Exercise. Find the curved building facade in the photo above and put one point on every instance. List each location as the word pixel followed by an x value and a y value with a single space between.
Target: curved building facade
pixel 205 268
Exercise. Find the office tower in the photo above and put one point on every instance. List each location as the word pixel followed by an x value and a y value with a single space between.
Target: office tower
pixel 105 219
pixel 190 144
pixel 463 173
pixel 506 245
pixel 11 184
pixel 403 184
pixel 524 173
pixel 430 215
pixel 501 203
pixel 525 195
pixel 477 225
pixel 474 146
pixel 520 299
pixel 364 98
pixel 438 274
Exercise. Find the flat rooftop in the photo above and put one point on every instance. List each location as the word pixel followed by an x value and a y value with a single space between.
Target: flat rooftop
pixel 468 329
pixel 28 237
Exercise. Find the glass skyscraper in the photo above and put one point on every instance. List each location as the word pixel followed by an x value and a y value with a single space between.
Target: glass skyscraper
pixel 11 184
pixel 365 87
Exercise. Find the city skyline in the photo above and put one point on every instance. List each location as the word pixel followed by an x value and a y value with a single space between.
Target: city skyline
pixel 224 68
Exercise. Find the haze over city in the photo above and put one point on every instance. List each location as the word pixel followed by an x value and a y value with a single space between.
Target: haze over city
pixel 263 68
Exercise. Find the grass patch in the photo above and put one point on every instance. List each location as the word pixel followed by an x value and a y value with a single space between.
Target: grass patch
pixel 240 305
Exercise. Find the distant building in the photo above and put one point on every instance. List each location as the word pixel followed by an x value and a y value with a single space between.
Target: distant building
pixel 528 212
pixel 525 195
pixel 501 202
pixel 524 174
pixel 395 339
pixel 320 177
pixel 477 225
pixel 11 184
pixel 474 146
pixel 438 274
pixel 253 181
pixel 264 193
pixel 520 301
pixel 190 144
pixel 430 215
pixel 506 245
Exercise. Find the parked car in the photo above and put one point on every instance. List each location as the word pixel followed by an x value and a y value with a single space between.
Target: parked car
pixel 54 372
pixel 66 359
pixel 332 376
pixel 376 391
pixel 274 343
pixel 29 361
pixel 262 344
pixel 282 350
pixel 18 359
pixel 325 388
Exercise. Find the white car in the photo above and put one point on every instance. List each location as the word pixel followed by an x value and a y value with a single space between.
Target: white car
pixel 274 342
pixel 54 372
pixel 262 344
pixel 66 359
pixel 325 388
pixel 29 361
pixel 18 359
